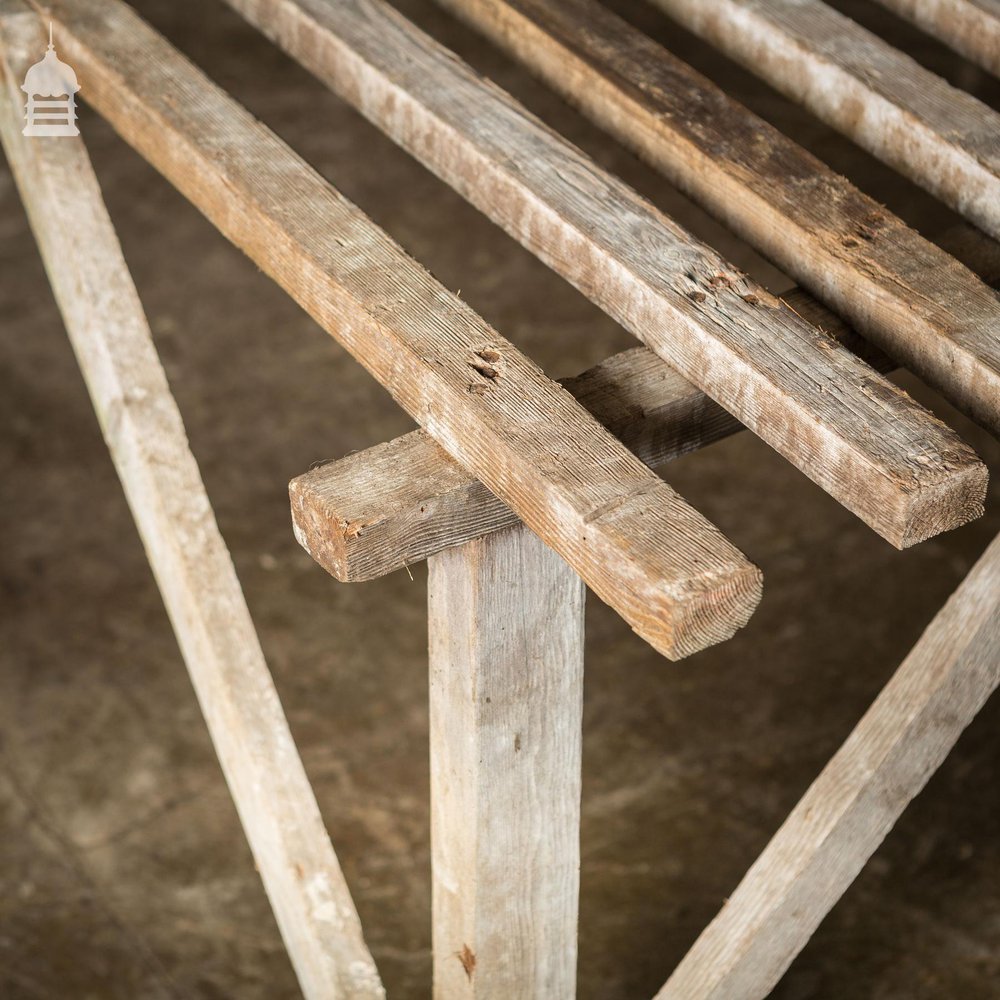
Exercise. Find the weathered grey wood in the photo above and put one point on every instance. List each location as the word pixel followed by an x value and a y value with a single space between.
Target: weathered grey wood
pixel 897 288
pixel 856 800
pixel 844 426
pixel 146 438
pixel 506 704
pixel 677 581
pixel 399 503
pixel 941 137
pixel 971 27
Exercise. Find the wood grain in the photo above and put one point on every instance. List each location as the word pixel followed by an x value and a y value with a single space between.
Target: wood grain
pixel 676 580
pixel 971 27
pixel 940 137
pixel 898 289
pixel 145 435
pixel 506 706
pixel 862 440
pixel 856 800
pixel 400 502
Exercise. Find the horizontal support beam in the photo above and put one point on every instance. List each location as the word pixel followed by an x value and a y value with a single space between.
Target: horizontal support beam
pixel 399 503
pixel 854 803
pixel 861 439
pixel 898 289
pixel 674 577
pixel 940 137
pixel 145 435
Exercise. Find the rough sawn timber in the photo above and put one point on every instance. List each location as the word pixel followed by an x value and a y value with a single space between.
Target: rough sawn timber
pixel 937 135
pixel 400 502
pixel 848 429
pixel 505 616
pixel 854 803
pixel 898 289
pixel 673 576
pixel 146 438
pixel 971 27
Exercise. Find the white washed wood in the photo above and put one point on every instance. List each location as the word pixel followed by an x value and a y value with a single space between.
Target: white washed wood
pixel 146 438
pixel 856 800
pixel 843 425
pixel 674 577
pixel 506 697
pixel 971 27
pixel 940 137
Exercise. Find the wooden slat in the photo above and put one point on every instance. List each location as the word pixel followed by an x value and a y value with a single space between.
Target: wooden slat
pixel 506 700
pixel 677 581
pixel 146 438
pixel 844 426
pixel 401 502
pixel 971 27
pixel 898 289
pixel 939 136
pixel 856 800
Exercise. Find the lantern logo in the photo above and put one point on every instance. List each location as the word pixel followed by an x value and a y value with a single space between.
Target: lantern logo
pixel 50 86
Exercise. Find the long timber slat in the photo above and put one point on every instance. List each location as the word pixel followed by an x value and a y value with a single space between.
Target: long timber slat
pixel 193 568
pixel 940 137
pixel 971 27
pixel 403 501
pixel 677 581
pixel 843 425
pixel 897 288
pixel 854 803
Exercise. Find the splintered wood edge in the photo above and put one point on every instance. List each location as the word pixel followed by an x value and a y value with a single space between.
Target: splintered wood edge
pixel 402 501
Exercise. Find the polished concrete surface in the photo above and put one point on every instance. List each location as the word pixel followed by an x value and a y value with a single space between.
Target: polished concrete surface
pixel 123 870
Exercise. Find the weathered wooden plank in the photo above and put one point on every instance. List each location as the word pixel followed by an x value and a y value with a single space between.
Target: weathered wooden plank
pixel 677 581
pixel 145 435
pixel 971 27
pixel 897 288
pixel 856 800
pixel 940 137
pixel 399 503
pixel 506 705
pixel 839 422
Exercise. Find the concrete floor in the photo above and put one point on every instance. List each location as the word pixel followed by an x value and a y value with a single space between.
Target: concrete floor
pixel 123 869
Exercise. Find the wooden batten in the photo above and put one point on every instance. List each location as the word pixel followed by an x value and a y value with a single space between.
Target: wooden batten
pixel 849 430
pixel 672 575
pixel 971 27
pixel 399 503
pixel 854 803
pixel 145 435
pixel 898 289
pixel 937 135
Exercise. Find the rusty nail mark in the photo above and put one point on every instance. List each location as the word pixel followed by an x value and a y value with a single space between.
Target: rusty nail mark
pixel 468 959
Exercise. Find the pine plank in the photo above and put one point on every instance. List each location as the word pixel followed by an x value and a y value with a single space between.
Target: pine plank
pixel 898 289
pixel 506 706
pixel 843 425
pixel 674 577
pixel 401 502
pixel 971 27
pixel 145 435
pixel 937 135
pixel 854 803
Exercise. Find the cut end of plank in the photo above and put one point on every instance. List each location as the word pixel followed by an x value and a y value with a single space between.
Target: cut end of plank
pixel 714 611
pixel 314 526
pixel 933 509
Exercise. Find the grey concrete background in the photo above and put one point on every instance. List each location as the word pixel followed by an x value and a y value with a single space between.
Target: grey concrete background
pixel 123 870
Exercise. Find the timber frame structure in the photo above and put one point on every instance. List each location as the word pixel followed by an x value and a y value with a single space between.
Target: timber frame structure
pixel 518 490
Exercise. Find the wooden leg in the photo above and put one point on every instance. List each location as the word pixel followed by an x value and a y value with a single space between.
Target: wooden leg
pixel 506 701
pixel 853 804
